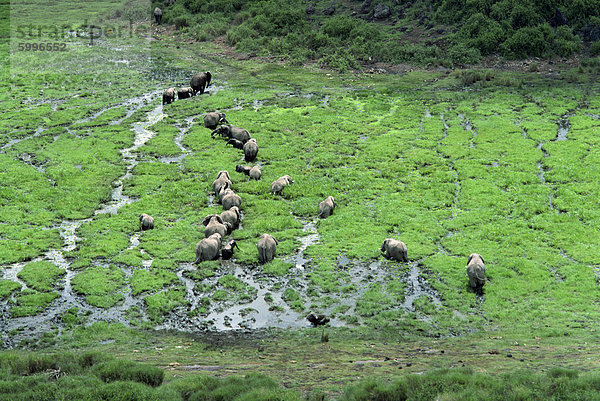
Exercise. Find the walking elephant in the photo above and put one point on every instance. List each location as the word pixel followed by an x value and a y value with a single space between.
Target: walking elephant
pixel 232 216
pixel 230 199
pixel 200 81
pixel 229 131
pixel 250 150
pixel 158 15
pixel 208 248
pixel 395 250
pixel 168 96
pixel 326 207
pixel 255 173
pixel 214 224
pixel 222 181
pixel 280 183
pixel 184 93
pixel 267 245
pixel 147 222
pixel 227 251
pixel 213 119
pixel 476 272
pixel 243 169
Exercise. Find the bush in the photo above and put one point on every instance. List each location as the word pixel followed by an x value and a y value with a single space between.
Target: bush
pixel 530 41
pixel 565 42
pixel 595 48
pixel 127 370
pixel 483 33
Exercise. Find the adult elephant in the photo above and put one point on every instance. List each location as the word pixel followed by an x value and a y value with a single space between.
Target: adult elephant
pixel 147 222
pixel 394 249
pixel 267 245
pixel 280 183
pixel 230 131
pixel 213 119
pixel 201 81
pixel 158 15
pixel 208 248
pixel 214 224
pixel 168 96
pixel 222 182
pixel 232 216
pixel 255 173
pixel 230 199
pixel 326 207
pixel 250 150
pixel 476 272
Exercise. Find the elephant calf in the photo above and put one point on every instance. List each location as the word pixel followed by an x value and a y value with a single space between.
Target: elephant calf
pixel 227 251
pixel 267 245
pixel 235 143
pixel 280 183
pixel 213 119
pixel 208 248
pixel 250 150
pixel 476 272
pixel 147 222
pixel 158 15
pixel 168 96
pixel 184 93
pixel 326 207
pixel 232 216
pixel 243 169
pixel 394 249
pixel 214 224
pixel 255 173
pixel 223 181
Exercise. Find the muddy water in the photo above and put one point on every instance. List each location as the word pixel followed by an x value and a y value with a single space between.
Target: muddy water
pixel 416 287
pixel 183 130
pixel 299 261
pixel 563 128
pixel 469 127
pixel 13 142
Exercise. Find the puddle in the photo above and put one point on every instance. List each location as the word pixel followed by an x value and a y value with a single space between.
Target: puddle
pixel 12 272
pixel 416 287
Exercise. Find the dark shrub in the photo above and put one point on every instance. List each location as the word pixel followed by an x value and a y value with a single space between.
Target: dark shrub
pixel 482 33
pixel 530 41
pixel 127 370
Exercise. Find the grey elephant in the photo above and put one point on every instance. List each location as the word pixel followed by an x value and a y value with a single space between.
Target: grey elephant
pixel 184 93
pixel 235 143
pixel 168 96
pixel 280 183
pixel 326 207
pixel 229 199
pixel 158 15
pixel 266 245
pixel 200 81
pixel 147 222
pixel 227 251
pixel 250 150
pixel 476 272
pixel 395 250
pixel 208 248
pixel 255 173
pixel 229 131
pixel 214 224
pixel 232 216
pixel 243 169
pixel 213 119
pixel 222 181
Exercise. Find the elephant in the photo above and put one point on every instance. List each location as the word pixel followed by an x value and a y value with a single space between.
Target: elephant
pixel 214 224
pixel 235 143
pixel 147 222
pixel 250 150
pixel 319 320
pixel 267 245
pixel 200 81
pixel 168 96
pixel 394 249
pixel 208 248
pixel 213 119
pixel 158 15
pixel 255 173
pixel 229 199
pixel 184 93
pixel 229 131
pixel 326 207
pixel 280 183
pixel 227 251
pixel 243 169
pixel 222 181
pixel 476 272
pixel 232 216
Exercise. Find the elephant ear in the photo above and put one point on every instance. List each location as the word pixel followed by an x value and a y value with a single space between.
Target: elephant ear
pixel 275 239
pixel 208 78
pixel 482 261
pixel 469 260
pixel 333 201
pixel 207 219
pixel 219 218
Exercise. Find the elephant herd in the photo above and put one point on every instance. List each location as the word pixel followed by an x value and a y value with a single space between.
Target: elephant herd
pixel 218 226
